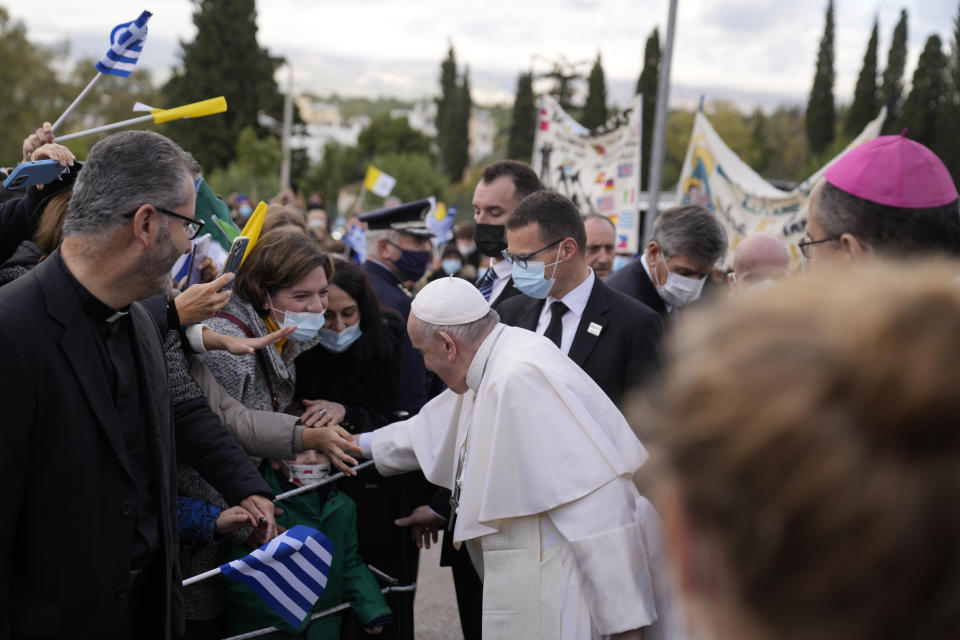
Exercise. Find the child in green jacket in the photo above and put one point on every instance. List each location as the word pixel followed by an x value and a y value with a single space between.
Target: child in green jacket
pixel 335 515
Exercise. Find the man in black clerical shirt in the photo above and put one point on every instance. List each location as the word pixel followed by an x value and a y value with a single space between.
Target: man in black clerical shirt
pixel 88 546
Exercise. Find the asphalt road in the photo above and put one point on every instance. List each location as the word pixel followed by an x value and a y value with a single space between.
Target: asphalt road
pixel 435 605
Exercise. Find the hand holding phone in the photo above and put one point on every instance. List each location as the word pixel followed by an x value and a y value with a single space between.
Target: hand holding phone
pixel 29 174
pixel 235 257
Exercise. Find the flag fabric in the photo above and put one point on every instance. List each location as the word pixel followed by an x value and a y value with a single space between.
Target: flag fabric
pixel 253 227
pixel 288 573
pixel 356 239
pixel 379 182
pixel 126 43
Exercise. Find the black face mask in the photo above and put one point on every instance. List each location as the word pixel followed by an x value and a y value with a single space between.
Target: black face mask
pixel 490 239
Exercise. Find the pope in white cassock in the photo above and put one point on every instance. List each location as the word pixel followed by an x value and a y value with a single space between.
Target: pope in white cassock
pixel 539 461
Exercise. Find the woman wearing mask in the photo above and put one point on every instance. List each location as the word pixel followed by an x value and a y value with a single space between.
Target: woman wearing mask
pixel 283 282
pixel 352 377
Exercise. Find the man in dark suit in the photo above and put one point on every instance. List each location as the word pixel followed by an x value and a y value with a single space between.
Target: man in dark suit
pixel 612 337
pixel 687 242
pixel 398 252
pixel 87 452
pixel 502 185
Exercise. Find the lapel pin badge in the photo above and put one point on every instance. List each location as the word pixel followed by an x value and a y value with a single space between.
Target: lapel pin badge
pixel 594 329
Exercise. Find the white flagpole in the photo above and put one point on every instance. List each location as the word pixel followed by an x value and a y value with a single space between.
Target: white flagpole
pixel 73 105
pixel 316 485
pixel 287 124
pixel 106 127
pixel 201 576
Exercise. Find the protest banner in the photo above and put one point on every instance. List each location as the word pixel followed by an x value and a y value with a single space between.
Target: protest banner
pixel 714 176
pixel 599 169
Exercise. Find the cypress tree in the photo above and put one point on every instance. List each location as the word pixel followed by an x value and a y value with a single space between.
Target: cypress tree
pixel 952 115
pixel 866 101
pixel 224 59
pixel 924 108
pixel 891 91
pixel 524 122
pixel 452 120
pixel 821 111
pixel 595 109
pixel 647 85
pixel 460 138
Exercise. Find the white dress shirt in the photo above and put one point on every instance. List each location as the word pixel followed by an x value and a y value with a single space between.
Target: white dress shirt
pixel 502 270
pixel 576 301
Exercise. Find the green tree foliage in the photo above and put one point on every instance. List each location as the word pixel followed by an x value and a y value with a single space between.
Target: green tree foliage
pixel 647 85
pixel 762 154
pixel 951 152
pixel 254 168
pixel 865 97
pixel 925 108
pixel 224 59
pixel 524 122
pixel 391 135
pixel 459 156
pixel 29 91
pixel 340 166
pixel 891 91
pixel 595 109
pixel 821 111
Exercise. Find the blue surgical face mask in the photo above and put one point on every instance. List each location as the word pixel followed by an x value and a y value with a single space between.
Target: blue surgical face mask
pixel 532 281
pixel 619 262
pixel 245 210
pixel 340 341
pixel 308 323
pixel 451 266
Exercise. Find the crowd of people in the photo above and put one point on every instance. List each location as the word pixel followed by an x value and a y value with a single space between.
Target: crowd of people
pixel 605 453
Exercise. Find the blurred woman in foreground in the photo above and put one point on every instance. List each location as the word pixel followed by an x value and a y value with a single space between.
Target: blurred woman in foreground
pixel 810 440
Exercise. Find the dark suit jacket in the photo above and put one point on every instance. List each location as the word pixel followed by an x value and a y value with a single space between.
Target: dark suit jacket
pixel 391 293
pixel 621 355
pixel 509 291
pixel 634 282
pixel 66 543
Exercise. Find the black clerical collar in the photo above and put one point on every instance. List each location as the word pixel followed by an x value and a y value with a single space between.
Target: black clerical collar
pixel 94 307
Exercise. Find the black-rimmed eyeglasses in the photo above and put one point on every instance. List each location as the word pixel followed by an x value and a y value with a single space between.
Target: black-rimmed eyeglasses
pixel 192 225
pixel 521 261
pixel 808 242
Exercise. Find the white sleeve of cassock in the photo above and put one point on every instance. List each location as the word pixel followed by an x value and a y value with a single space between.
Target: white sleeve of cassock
pixel 608 542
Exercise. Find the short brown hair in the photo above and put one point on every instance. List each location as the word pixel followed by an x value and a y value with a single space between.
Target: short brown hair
pixel 281 215
pixel 279 260
pixel 555 215
pixel 811 433
pixel 525 180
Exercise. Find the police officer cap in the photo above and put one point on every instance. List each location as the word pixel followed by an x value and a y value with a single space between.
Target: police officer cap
pixel 406 218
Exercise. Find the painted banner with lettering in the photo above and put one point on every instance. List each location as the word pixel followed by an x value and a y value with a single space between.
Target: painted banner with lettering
pixel 715 177
pixel 599 169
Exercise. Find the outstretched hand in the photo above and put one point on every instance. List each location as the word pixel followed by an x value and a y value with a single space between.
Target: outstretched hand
pixel 232 519
pixel 213 341
pixel 337 443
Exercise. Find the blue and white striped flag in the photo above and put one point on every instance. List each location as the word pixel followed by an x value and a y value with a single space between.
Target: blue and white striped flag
pixel 357 241
pixel 288 573
pixel 126 43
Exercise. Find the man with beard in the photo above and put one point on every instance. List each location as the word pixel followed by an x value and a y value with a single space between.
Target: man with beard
pixel 502 186
pixel 89 543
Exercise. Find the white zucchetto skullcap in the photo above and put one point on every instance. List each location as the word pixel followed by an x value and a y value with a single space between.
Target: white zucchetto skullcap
pixel 449 301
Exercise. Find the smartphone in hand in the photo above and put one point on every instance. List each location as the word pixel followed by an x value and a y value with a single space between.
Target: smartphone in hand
pixel 237 249
pixel 29 174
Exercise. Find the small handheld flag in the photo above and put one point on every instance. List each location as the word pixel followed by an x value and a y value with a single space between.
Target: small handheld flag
pixel 288 573
pixel 126 43
pixel 379 182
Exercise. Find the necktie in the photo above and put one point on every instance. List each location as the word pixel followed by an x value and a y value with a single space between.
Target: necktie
pixel 485 284
pixel 554 330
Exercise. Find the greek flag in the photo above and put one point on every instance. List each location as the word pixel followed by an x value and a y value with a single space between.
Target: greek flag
pixel 126 43
pixel 288 573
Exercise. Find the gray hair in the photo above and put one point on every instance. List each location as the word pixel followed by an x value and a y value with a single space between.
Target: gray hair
pixel 373 237
pixel 691 231
pixel 469 333
pixel 123 172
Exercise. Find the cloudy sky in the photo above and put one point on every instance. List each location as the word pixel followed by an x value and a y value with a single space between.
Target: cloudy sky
pixel 755 52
